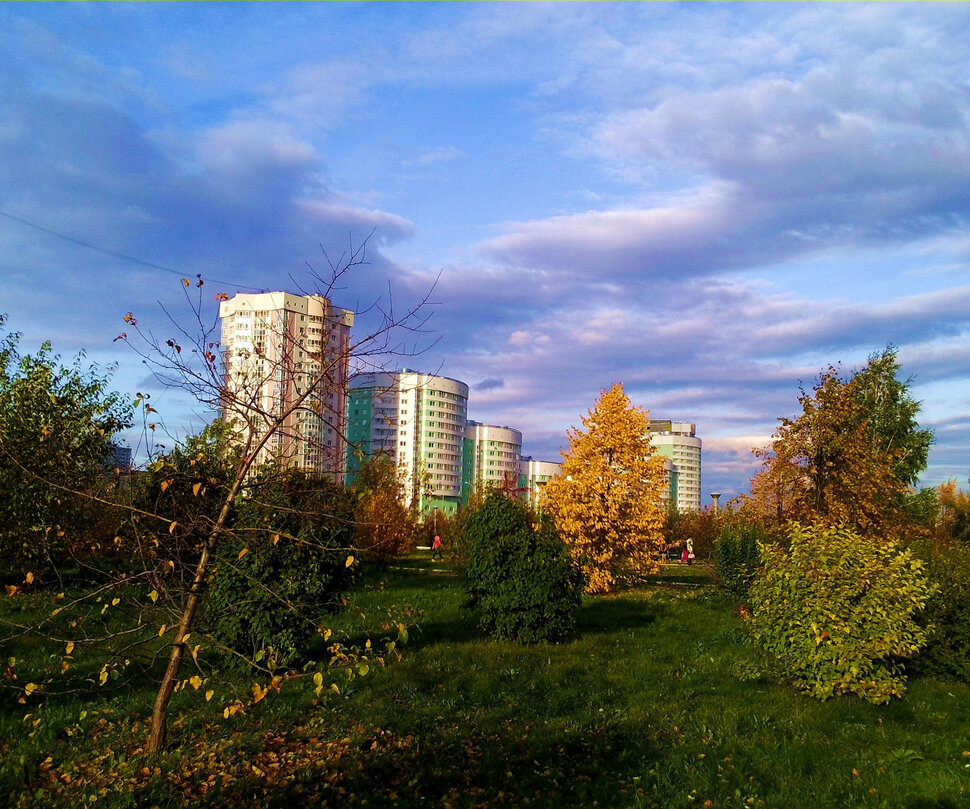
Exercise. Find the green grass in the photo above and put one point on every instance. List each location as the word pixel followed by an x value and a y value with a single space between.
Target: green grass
pixel 656 702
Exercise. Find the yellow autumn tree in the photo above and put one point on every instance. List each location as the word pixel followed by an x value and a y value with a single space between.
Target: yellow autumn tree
pixel 824 466
pixel 606 501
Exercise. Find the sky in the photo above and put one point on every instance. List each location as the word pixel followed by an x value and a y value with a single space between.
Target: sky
pixel 709 203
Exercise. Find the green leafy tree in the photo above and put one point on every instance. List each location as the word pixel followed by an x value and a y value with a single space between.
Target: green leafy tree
pixel 606 499
pixel 891 414
pixel 56 427
pixel 838 611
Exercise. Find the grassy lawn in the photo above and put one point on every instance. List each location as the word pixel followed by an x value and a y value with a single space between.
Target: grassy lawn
pixel 656 702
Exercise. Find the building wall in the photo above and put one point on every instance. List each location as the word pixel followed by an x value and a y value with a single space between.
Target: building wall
pixel 677 442
pixel 535 475
pixel 492 458
pixel 277 345
pixel 419 420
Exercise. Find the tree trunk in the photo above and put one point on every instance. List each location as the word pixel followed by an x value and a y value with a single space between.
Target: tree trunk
pixel 156 739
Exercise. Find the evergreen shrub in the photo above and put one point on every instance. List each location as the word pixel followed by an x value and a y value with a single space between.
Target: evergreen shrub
pixel 947 614
pixel 737 555
pixel 520 576
pixel 837 611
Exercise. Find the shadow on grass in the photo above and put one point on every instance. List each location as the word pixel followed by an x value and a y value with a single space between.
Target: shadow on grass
pixel 518 764
pixel 618 613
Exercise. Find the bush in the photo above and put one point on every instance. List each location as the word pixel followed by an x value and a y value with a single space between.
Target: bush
pixel 699 526
pixel 269 600
pixel 520 578
pixel 837 611
pixel 947 614
pixel 56 426
pixel 737 555
pixel 385 526
pixel 457 539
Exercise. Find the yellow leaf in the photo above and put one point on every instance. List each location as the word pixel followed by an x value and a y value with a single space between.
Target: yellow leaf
pixel 258 693
pixel 103 677
pixel 334 688
pixel 30 688
pixel 29 578
pixel 350 561
pixel 162 629
pixel 225 713
pixel 186 281
pixel 186 636
pixel 69 648
pixel 276 538
pixel 195 489
pixel 153 595
pixel 243 552
pixel 195 682
pixel 318 678
pixel 115 602
pixel 208 694
pixel 165 484
pixel 171 530
pixel 195 651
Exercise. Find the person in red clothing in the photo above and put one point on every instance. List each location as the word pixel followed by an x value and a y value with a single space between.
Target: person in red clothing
pixel 436 548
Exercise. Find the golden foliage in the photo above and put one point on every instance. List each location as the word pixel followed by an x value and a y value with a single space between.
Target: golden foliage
pixel 606 499
pixel 824 467
pixel 384 525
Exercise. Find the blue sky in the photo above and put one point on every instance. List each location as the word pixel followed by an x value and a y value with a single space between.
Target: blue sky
pixel 706 202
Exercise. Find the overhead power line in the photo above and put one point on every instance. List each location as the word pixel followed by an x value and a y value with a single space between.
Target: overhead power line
pixel 114 254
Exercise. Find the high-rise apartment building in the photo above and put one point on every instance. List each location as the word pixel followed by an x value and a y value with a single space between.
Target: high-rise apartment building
pixel 419 420
pixel 491 458
pixel 534 475
pixel 676 441
pixel 277 346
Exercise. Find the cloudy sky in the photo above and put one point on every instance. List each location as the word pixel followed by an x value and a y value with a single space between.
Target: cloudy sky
pixel 708 203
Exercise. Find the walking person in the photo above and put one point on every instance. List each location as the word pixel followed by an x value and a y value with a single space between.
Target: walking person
pixel 690 551
pixel 436 548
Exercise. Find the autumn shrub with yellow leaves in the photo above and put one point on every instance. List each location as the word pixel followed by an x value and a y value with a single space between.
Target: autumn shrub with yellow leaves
pixel 837 609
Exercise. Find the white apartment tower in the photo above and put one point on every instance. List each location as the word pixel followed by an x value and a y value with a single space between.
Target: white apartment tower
pixel 419 420
pixel 535 476
pixel 277 346
pixel 492 458
pixel 675 441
